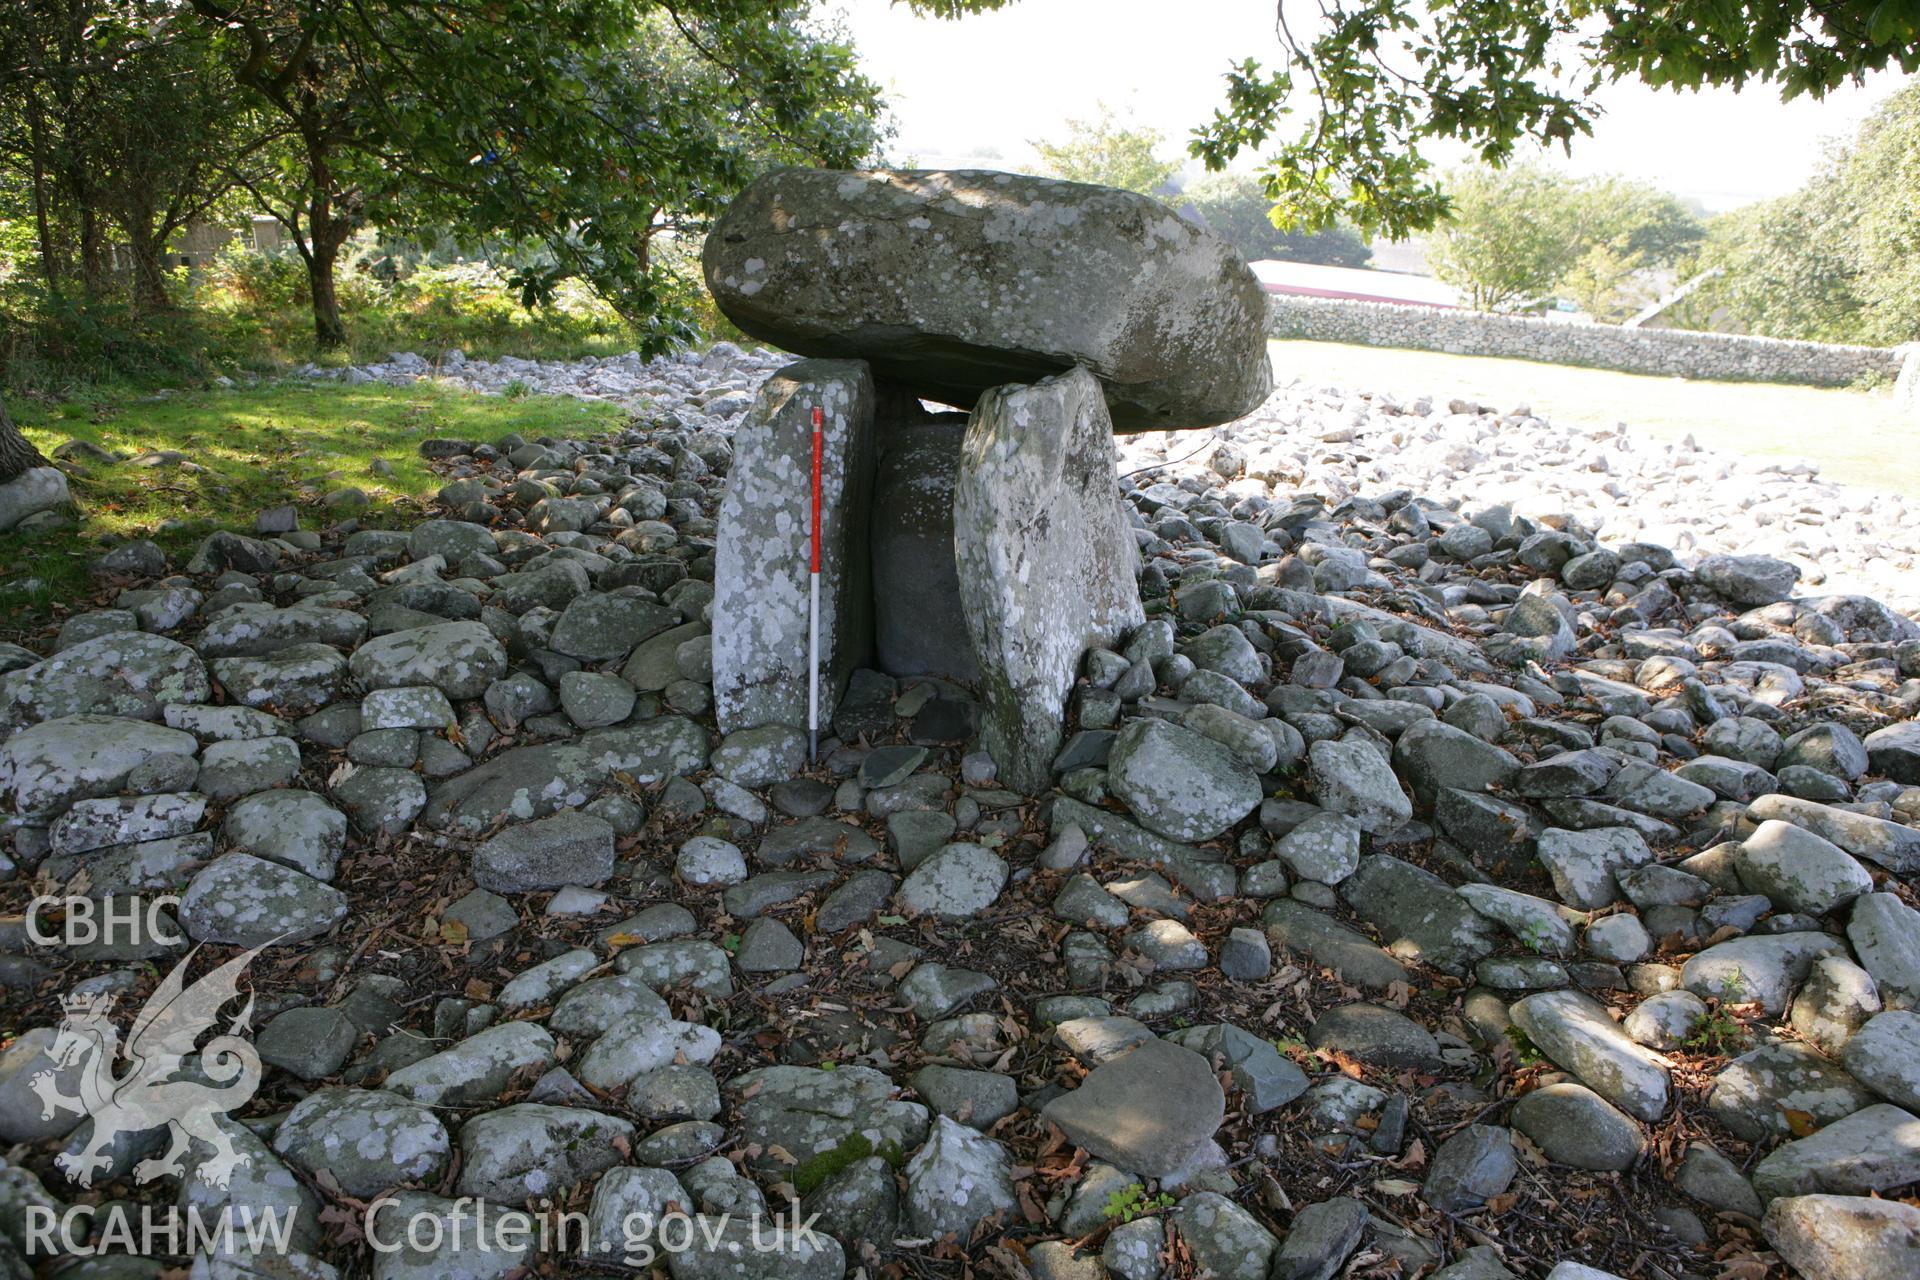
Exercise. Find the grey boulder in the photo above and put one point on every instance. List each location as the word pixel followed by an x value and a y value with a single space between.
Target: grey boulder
pixel 1584 864
pixel 1755 1094
pixel 957 1179
pixel 79 757
pixel 732 1248
pixel 367 1139
pixel 249 902
pixel 295 827
pixel 1148 1110
pixel 1799 871
pixel 531 1149
pixel 253 631
pixel 476 1069
pixel 1575 1031
pixel 595 628
pixel 111 820
pixel 568 848
pixel 960 880
pixel 459 658
pixel 1885 933
pixel 1758 969
pixel 1352 778
pixel 1884 1055
pixel 532 782
pixel 1825 1237
pixel 34 492
pixel 1471 1167
pixel 1895 752
pixel 1418 914
pixel 1433 754
pixel 1575 1126
pixel 123 673
pixel 1749 580
pixel 1179 783
pixel 807 1111
pixel 1873 1149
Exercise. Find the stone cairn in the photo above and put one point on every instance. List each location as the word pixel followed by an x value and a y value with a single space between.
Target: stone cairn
pixel 1426 887
pixel 990 548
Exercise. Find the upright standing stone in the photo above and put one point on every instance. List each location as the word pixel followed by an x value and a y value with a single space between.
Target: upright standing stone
pixel 1045 556
pixel 762 548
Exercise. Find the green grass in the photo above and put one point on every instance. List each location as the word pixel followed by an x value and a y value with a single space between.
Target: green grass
pixel 286 441
pixel 1132 1200
pixel 256 338
pixel 1855 437
pixel 247 314
pixel 83 352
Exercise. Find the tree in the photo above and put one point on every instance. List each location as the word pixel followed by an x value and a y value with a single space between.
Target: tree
pixel 170 134
pixel 1110 152
pixel 1236 207
pixel 1516 235
pixel 1624 229
pixel 673 122
pixel 1839 259
pixel 1382 79
pixel 1878 179
pixel 121 115
pixel 1511 236
pixel 46 102
pixel 1783 273
pixel 576 124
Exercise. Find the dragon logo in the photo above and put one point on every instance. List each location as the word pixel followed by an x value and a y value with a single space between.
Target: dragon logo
pixel 151 1092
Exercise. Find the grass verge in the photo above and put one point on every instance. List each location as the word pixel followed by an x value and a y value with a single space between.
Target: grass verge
pixel 244 450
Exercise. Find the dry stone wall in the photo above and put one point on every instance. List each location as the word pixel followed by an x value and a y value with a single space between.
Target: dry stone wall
pixel 1669 352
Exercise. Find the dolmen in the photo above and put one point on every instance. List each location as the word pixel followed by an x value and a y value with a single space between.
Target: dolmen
pixel 989 546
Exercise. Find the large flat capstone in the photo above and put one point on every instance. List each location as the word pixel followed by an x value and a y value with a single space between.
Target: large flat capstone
pixel 951 283
pixel 1045 557
pixel 763 547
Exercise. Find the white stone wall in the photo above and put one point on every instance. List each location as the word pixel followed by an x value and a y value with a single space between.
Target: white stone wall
pixel 1672 352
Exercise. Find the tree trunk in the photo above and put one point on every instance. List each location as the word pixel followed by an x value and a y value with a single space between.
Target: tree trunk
pixel 149 271
pixel 96 269
pixel 327 231
pixel 17 453
pixel 43 226
pixel 328 329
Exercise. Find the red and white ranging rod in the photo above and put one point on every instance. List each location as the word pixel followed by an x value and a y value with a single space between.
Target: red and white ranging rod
pixel 813 602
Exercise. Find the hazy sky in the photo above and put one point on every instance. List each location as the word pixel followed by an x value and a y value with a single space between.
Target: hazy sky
pixel 999 80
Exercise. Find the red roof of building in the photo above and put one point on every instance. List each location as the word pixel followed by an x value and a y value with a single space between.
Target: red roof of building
pixel 1311 280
